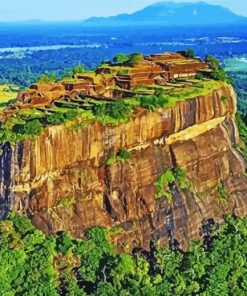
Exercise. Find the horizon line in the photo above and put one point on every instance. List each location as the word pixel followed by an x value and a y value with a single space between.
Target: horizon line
pixel 40 20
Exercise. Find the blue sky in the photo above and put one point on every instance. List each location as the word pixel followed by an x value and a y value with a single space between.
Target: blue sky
pixel 16 10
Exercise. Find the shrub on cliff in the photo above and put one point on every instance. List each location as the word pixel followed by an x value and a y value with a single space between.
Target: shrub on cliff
pixel 135 58
pixel 212 61
pixel 123 155
pixel 181 177
pixel 113 113
pixel 153 102
pixel 30 128
pixel 224 99
pixel 221 75
pixel 170 177
pixel 222 193
pixel 242 128
pixel 47 78
pixel 121 58
pixel 66 202
pixel 79 69
pixel 33 127
pixel 199 75
pixel 218 72
pixel 55 119
pixel 67 75
pixel 71 114
pixel 190 53
pixel 163 186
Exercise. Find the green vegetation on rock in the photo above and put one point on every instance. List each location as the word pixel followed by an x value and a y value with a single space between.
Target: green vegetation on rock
pixel 190 53
pixel 123 155
pixel 224 99
pixel 199 76
pixel 162 98
pixel 169 178
pixel 181 177
pixel 32 264
pixel 162 186
pixel 211 60
pixel 16 130
pixel 65 202
pixel 242 128
pixel 218 72
pixel 79 69
pixel 113 113
pixel 47 78
pixel 133 58
pixel 121 58
pixel 221 75
pixel 31 128
pixel 27 125
pixel 153 102
pixel 221 191
pixel 200 89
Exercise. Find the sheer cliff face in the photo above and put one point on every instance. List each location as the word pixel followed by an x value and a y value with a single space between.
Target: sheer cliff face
pixel 198 135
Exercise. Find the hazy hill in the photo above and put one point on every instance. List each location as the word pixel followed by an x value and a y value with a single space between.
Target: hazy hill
pixel 172 14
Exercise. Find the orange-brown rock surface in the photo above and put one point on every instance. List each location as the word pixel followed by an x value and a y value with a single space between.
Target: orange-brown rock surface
pixel 102 83
pixel 198 135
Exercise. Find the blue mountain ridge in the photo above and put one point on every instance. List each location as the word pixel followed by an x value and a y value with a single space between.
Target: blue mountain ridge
pixel 173 14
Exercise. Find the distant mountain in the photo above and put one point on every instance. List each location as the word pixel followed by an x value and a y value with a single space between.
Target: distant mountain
pixel 172 14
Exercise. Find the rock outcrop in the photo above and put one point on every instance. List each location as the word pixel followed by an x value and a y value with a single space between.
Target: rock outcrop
pixel 61 179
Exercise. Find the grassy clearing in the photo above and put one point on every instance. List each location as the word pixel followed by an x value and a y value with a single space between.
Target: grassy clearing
pixel 201 89
pixel 8 92
pixel 171 97
pixel 31 114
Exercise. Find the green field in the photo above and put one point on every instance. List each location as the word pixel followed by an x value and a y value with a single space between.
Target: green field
pixel 8 92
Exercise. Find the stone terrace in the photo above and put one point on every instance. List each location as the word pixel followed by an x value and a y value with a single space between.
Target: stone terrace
pixel 110 82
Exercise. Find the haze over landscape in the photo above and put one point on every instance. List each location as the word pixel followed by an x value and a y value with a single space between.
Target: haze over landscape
pixel 173 14
pixel 52 10
pixel 96 39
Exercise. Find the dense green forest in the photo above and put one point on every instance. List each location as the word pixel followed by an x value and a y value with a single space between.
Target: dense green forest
pixel 237 69
pixel 34 264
